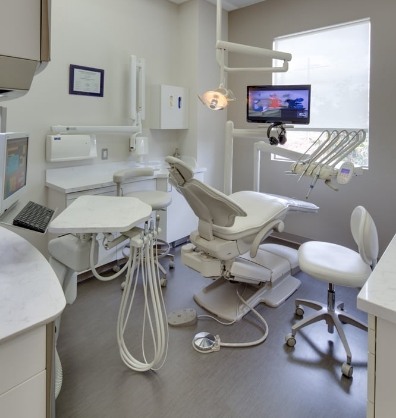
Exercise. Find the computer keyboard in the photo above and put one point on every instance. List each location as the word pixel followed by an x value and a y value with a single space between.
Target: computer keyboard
pixel 34 216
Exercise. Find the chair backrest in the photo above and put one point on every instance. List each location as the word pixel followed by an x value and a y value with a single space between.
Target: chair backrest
pixel 365 234
pixel 121 176
pixel 209 205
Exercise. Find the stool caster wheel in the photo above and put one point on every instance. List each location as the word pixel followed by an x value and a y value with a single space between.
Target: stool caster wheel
pixel 347 369
pixel 163 281
pixel 299 310
pixel 290 340
pixel 123 284
pixel 171 265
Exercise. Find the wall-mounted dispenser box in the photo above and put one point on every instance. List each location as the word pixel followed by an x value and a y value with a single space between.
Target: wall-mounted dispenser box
pixel 169 107
pixel 70 147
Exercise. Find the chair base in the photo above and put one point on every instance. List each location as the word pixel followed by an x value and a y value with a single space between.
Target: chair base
pixel 221 299
pixel 334 316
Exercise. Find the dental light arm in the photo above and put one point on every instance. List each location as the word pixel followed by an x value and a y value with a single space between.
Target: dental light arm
pixel 245 49
pixel 218 98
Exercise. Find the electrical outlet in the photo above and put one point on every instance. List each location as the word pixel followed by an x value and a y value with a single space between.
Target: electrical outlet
pixel 105 153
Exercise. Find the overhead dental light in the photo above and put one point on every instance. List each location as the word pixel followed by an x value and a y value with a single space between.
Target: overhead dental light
pixel 218 98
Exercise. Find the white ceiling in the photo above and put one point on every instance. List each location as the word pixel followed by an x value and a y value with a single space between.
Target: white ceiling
pixel 227 4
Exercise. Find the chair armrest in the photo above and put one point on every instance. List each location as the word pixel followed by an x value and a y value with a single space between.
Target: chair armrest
pixel 276 225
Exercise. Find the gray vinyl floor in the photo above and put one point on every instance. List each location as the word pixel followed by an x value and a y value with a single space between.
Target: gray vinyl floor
pixel 270 380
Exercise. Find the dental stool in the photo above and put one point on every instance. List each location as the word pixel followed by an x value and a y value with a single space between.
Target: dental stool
pixel 338 265
pixel 158 200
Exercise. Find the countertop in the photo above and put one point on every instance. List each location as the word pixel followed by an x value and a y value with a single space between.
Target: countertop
pixel 88 177
pixel 378 295
pixel 30 293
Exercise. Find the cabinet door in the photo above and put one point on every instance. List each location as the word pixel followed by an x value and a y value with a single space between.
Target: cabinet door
pixel 21 358
pixel 25 400
pixel 385 369
pixel 20 29
pixel 181 220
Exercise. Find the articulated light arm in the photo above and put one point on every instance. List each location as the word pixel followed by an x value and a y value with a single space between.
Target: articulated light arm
pixel 255 51
pixel 217 99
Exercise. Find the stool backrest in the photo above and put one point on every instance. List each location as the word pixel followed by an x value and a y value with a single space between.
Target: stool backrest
pixel 365 234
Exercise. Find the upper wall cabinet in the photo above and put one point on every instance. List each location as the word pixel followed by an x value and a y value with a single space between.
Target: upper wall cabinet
pixel 24 44
pixel 22 34
pixel 169 107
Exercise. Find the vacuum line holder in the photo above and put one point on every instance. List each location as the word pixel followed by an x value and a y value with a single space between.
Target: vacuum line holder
pixel 322 160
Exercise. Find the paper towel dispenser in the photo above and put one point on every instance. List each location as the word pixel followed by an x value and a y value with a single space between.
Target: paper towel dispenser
pixel 24 44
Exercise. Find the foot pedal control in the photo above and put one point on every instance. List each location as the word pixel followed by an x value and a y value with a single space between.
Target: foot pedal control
pixel 183 317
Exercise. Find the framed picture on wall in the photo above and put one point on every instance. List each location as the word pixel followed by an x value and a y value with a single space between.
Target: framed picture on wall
pixel 86 81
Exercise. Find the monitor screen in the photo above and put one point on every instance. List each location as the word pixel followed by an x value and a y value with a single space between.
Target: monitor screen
pixel 13 168
pixel 15 165
pixel 285 104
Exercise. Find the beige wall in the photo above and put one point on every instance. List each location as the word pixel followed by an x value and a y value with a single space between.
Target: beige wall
pixel 174 40
pixel 376 190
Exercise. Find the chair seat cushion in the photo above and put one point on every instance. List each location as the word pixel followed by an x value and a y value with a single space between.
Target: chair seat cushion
pixel 155 198
pixel 333 263
pixel 260 208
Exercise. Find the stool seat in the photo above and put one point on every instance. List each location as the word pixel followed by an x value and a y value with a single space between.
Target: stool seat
pixel 325 261
pixel 156 199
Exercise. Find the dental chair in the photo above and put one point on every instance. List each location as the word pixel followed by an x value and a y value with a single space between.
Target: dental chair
pixel 338 265
pixel 228 246
pixel 158 200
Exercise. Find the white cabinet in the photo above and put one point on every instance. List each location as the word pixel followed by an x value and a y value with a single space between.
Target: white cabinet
pixel 31 299
pixel 22 34
pixel 23 375
pixel 181 220
pixel 169 107
pixel 378 299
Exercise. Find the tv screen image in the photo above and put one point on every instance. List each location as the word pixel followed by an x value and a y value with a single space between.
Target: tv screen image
pixel 285 104
pixel 13 168
pixel 16 166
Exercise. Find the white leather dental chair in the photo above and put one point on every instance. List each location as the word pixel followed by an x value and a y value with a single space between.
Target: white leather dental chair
pixel 228 246
pixel 338 265
pixel 158 200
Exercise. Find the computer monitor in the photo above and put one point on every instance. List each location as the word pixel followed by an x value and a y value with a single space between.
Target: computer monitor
pixel 284 104
pixel 13 168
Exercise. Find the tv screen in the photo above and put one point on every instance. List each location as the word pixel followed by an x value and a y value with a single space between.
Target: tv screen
pixel 285 104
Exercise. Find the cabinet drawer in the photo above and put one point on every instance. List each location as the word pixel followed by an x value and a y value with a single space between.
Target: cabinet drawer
pixel 25 400
pixel 22 357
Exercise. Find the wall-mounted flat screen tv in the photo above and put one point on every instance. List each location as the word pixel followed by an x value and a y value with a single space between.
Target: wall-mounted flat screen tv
pixel 285 104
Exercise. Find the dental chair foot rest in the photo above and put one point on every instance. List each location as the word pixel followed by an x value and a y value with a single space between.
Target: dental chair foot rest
pixel 183 317
pixel 282 291
pixel 221 299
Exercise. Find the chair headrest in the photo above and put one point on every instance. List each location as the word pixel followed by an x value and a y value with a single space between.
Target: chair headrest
pixel 180 171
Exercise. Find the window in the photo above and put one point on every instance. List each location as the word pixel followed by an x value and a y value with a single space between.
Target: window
pixel 336 62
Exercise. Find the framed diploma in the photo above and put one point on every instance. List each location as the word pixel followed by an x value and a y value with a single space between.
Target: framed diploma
pixel 86 81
